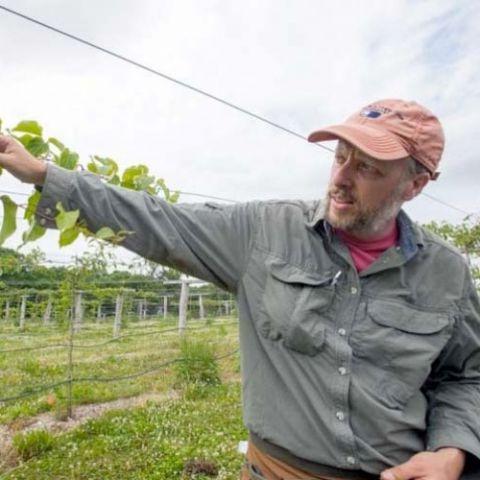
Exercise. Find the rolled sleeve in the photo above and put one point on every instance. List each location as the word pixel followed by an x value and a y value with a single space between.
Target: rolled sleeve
pixel 454 389
pixel 209 241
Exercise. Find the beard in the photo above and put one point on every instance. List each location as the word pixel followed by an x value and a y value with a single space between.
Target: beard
pixel 363 220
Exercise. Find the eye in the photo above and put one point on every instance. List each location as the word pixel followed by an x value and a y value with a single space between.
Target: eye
pixel 340 158
pixel 369 169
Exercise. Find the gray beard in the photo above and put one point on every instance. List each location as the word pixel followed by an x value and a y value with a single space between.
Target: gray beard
pixel 367 222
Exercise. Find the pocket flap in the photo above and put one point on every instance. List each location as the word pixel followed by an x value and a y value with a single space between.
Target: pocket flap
pixel 288 273
pixel 407 319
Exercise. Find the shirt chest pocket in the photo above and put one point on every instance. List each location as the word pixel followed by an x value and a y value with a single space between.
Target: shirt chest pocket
pixel 405 341
pixel 291 307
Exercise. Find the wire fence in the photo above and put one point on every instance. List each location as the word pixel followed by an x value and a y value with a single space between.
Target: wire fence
pixel 24 331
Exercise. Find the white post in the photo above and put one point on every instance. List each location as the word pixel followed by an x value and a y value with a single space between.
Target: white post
pixel 118 315
pixel 48 312
pixel 165 306
pixel 200 307
pixel 23 308
pixel 99 312
pixel 182 307
pixel 140 310
pixel 77 311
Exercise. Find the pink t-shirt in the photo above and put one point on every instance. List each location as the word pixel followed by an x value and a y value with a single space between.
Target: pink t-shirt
pixel 365 252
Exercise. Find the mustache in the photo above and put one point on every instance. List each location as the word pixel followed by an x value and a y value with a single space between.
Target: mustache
pixel 342 194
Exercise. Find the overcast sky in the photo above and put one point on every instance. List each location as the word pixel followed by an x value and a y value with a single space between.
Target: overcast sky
pixel 304 64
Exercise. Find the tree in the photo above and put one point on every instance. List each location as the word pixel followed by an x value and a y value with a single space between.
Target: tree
pixel 466 237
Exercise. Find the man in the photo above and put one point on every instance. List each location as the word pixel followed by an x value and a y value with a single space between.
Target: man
pixel 360 331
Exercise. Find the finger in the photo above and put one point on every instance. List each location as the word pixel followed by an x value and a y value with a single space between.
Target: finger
pixel 5 143
pixel 405 471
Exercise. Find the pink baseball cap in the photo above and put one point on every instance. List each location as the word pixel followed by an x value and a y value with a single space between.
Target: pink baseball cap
pixel 389 130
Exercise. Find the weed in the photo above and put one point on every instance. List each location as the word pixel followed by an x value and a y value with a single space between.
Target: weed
pixel 31 366
pixel 198 364
pixel 33 444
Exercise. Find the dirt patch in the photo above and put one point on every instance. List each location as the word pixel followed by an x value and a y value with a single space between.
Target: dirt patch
pixel 81 414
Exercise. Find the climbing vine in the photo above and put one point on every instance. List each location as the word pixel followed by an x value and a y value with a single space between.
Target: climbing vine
pixel 31 135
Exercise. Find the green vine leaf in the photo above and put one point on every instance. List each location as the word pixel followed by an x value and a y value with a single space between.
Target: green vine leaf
pixel 29 126
pixel 68 159
pixel 131 174
pixel 57 143
pixel 9 224
pixel 69 235
pixel 37 147
pixel 66 220
pixel 105 233
pixel 103 166
pixel 32 203
pixel 35 232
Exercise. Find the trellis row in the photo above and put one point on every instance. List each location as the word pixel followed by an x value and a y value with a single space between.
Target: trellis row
pixel 77 312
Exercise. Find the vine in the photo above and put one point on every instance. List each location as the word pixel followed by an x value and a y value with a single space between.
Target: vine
pixel 137 177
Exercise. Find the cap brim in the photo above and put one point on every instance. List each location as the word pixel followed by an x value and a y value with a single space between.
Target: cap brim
pixel 374 142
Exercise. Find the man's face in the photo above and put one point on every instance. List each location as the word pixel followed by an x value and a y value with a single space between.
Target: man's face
pixel 364 194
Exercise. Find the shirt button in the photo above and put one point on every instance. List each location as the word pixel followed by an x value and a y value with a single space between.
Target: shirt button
pixel 340 416
pixel 342 332
pixel 351 460
pixel 353 290
pixel 43 221
pixel 48 211
pixel 342 370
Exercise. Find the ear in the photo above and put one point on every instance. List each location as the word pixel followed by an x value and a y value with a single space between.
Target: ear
pixel 415 185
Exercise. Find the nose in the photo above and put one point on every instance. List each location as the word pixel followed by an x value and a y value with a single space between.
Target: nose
pixel 342 174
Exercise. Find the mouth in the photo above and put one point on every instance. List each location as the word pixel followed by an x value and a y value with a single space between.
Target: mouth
pixel 340 201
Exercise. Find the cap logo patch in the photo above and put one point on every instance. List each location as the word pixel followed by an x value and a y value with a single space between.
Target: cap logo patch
pixel 374 111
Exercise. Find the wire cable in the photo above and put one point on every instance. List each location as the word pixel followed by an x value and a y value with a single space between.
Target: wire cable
pixel 192 88
pixel 160 74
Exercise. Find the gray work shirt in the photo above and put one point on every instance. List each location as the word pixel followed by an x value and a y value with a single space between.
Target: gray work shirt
pixel 357 371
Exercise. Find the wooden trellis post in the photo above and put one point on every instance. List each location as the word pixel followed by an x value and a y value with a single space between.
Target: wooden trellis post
pixel 23 308
pixel 183 306
pixel 117 325
pixel 48 312
pixel 201 309
pixel 99 312
pixel 140 310
pixel 165 306
pixel 77 312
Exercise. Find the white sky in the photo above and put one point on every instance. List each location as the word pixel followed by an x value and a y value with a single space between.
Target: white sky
pixel 303 64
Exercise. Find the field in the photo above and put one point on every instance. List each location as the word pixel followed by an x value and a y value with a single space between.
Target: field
pixel 148 404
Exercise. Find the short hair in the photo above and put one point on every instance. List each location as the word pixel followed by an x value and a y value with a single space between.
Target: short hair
pixel 414 167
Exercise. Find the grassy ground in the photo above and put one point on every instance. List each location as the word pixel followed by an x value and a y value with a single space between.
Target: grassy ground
pixel 143 346
pixel 198 432
pixel 156 442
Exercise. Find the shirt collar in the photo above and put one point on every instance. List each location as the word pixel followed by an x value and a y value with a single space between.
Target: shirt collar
pixel 410 235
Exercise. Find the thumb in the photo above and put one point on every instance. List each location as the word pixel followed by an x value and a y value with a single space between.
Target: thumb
pixel 405 471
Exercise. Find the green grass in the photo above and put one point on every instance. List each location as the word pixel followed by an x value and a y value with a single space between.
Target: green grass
pixel 33 444
pixel 21 372
pixel 155 443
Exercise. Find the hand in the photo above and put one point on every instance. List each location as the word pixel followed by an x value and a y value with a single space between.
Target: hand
pixel 20 163
pixel 444 464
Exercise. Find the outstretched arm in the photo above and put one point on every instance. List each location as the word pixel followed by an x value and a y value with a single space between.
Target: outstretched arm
pixel 208 241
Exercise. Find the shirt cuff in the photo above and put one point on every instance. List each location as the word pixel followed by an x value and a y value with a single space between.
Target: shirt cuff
pixel 454 437
pixel 57 186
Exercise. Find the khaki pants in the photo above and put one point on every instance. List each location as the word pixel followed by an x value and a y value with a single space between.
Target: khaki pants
pixel 260 466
